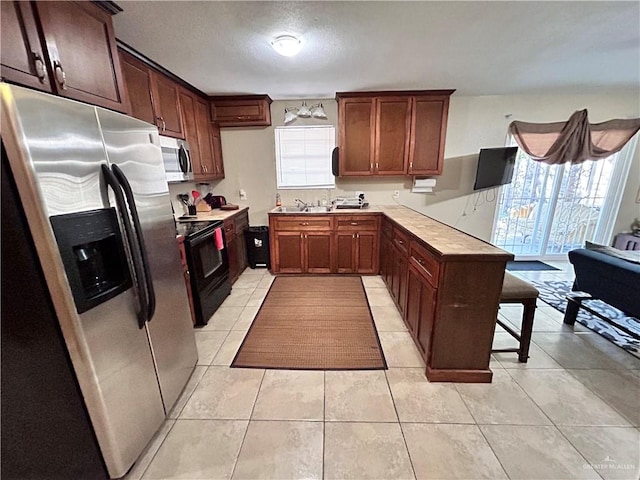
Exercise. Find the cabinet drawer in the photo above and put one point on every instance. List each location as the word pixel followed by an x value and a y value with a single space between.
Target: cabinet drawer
pixel 357 222
pixel 303 222
pixel 401 240
pixel 425 263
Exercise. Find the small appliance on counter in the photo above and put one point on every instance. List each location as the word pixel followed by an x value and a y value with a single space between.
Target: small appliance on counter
pixel 215 201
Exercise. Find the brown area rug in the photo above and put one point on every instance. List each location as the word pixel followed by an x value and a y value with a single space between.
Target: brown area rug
pixel 313 323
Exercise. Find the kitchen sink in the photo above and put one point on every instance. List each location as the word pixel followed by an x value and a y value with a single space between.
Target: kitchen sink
pixel 289 209
pixel 309 209
pixel 319 209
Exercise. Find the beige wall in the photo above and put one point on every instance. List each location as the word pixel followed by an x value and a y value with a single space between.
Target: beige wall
pixel 474 123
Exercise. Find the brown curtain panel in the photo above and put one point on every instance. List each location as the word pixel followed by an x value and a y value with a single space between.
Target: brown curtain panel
pixel 574 141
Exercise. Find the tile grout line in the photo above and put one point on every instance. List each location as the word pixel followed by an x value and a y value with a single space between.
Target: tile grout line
pixel 157 450
pixel 324 419
pixel 404 439
pixel 246 431
pixel 554 423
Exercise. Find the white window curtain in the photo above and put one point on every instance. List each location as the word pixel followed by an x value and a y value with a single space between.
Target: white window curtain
pixel 303 156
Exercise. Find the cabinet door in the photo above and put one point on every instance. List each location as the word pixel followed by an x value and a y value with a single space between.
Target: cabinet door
pixel 385 260
pixel 355 135
pixel 241 111
pixel 412 312
pixel 426 318
pixel 137 78
pixel 217 149
pixel 317 252
pixel 167 106
pixel 399 290
pixel 428 127
pixel 188 110
pixel 393 124
pixel 22 58
pixel 366 252
pixel 232 253
pixel 345 252
pixel 82 50
pixel 288 250
pixel 207 165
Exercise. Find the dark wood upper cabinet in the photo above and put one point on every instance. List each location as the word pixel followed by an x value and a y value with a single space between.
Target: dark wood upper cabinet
pixel 155 98
pixel 392 133
pixel 177 111
pixel 393 125
pixel 241 110
pixel 209 142
pixel 217 149
pixel 23 60
pixel 137 77
pixel 188 108
pixel 356 123
pixel 428 131
pixel 72 43
pixel 167 105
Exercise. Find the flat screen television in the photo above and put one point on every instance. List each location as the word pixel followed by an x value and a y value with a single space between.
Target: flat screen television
pixel 495 167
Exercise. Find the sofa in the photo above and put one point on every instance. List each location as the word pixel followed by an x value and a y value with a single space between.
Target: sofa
pixel 607 274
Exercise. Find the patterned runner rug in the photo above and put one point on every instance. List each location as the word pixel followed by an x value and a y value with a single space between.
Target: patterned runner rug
pixel 313 323
pixel 554 292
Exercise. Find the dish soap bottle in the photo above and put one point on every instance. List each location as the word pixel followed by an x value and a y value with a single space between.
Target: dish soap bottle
pixel 278 201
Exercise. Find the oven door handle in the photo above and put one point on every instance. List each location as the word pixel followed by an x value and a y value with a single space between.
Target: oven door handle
pixel 136 260
pixel 148 283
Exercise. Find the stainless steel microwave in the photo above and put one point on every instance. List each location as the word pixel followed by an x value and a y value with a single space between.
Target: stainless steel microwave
pixel 177 160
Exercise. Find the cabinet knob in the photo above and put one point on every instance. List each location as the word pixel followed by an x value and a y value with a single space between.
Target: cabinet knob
pixel 411 165
pixel 61 77
pixel 377 168
pixel 164 125
pixel 354 223
pixel 39 66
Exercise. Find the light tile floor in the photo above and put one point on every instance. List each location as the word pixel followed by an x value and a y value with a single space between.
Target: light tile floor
pixel 572 411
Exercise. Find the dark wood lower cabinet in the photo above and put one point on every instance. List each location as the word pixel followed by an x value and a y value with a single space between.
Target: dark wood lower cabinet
pixel 419 313
pixel 317 252
pixel 398 266
pixel 287 252
pixel 234 228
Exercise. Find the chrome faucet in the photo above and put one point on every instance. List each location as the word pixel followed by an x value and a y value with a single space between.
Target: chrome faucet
pixel 301 205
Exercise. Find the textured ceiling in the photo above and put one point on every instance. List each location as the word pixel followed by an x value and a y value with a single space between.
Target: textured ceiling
pixel 478 48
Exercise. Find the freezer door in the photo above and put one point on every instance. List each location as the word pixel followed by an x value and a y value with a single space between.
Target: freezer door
pixel 134 146
pixel 56 152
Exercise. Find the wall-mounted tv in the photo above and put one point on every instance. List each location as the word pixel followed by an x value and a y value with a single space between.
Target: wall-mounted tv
pixel 495 167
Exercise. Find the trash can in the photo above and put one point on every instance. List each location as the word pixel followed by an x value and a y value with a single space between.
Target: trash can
pixel 257 240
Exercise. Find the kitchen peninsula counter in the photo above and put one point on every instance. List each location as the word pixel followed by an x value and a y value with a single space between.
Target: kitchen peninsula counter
pixel 445 283
pixel 442 239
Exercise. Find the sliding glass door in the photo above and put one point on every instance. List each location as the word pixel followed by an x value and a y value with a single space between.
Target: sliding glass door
pixel 548 210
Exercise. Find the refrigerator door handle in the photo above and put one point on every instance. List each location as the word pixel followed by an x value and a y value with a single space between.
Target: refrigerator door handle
pixel 141 290
pixel 150 292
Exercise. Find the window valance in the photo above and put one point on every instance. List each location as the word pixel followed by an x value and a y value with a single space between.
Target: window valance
pixel 575 140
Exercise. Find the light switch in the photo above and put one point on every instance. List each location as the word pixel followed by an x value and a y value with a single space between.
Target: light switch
pixel 243 194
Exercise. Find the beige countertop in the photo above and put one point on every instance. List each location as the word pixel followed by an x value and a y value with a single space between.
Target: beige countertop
pixel 215 214
pixel 441 238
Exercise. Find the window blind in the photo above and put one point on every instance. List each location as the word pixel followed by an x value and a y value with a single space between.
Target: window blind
pixel 303 156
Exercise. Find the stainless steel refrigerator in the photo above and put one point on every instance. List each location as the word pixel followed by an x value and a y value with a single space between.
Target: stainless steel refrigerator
pixel 95 198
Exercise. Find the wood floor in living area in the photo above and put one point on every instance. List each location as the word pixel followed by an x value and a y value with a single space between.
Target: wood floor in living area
pixel 572 411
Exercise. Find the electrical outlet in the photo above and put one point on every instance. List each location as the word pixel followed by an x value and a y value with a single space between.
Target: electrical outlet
pixel 396 194
pixel 243 194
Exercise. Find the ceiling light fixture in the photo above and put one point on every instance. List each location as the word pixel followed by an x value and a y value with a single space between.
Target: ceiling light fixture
pixel 286 45
pixel 314 111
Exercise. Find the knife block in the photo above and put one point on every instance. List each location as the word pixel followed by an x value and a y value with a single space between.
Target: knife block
pixel 203 207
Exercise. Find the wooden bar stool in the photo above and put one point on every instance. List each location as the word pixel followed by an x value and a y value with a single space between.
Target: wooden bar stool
pixel 515 290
